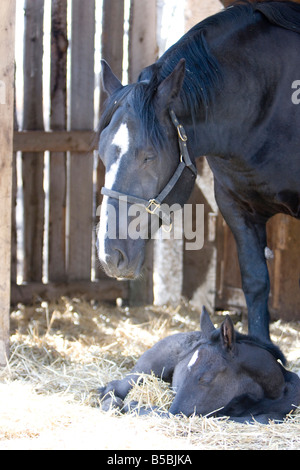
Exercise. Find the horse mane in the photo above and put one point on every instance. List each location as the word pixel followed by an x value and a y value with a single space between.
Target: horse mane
pixel 253 341
pixel 268 346
pixel 284 14
pixel 111 105
pixel 204 76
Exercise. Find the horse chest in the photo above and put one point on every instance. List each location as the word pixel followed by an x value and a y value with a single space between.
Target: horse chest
pixel 265 192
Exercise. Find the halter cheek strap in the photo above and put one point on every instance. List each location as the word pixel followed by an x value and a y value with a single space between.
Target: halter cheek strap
pixel 152 205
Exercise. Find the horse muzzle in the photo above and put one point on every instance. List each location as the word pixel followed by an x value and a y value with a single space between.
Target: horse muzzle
pixel 117 263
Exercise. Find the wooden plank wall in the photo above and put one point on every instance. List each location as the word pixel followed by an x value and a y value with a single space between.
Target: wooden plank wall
pixel 71 141
pixel 7 44
pixel 58 160
pixel 33 163
pixel 82 118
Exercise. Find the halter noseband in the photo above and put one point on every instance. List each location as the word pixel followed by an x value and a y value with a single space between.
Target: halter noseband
pixel 152 205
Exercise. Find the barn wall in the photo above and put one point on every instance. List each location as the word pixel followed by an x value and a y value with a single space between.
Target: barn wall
pixel 57 255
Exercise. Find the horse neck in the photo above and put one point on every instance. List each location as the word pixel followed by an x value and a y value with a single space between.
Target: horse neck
pixel 235 115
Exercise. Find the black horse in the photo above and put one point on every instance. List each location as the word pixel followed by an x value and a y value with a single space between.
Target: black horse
pixel 216 372
pixel 230 81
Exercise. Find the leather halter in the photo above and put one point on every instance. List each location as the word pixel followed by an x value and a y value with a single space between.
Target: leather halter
pixel 152 205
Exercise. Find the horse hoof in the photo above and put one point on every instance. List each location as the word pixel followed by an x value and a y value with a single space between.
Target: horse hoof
pixel 111 403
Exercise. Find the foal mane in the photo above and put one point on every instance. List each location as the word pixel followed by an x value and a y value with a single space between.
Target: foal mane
pixel 268 346
pixel 253 341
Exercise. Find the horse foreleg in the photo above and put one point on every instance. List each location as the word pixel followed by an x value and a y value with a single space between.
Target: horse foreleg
pixel 251 242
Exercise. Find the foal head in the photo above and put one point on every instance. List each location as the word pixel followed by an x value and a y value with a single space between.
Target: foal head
pixel 225 366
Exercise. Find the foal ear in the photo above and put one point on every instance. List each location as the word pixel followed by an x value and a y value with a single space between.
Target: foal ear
pixel 227 334
pixel 109 81
pixel 206 324
pixel 170 87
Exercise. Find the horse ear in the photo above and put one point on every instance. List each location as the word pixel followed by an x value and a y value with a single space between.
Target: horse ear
pixel 227 334
pixel 206 324
pixel 170 87
pixel 109 81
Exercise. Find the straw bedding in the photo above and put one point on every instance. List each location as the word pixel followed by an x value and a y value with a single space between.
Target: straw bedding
pixel 61 352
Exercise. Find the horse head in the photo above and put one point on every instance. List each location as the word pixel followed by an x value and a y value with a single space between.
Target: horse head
pixel 146 167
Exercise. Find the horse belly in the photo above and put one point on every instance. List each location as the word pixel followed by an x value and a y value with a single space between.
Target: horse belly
pixel 267 204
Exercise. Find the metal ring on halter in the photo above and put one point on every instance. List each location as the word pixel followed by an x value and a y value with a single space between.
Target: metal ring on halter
pixel 181 133
pixel 167 230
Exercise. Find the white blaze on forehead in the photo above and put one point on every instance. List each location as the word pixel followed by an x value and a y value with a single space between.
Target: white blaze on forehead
pixel 121 139
pixel 194 359
pixel 111 174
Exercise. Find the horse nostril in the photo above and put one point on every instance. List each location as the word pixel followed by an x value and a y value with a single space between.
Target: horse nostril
pixel 121 259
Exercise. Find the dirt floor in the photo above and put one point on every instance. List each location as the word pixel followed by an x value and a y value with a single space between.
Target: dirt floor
pixel 61 352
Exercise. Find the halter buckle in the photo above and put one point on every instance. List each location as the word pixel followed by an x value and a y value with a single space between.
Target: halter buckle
pixel 181 133
pixel 152 202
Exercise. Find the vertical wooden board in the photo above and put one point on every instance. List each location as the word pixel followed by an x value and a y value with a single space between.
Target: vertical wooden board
pixel 112 51
pixel 58 122
pixel 113 34
pixel 143 51
pixel 33 163
pixel 283 238
pixel 112 40
pixel 229 284
pixel 7 42
pixel 198 11
pixel 13 273
pixel 143 47
pixel 82 118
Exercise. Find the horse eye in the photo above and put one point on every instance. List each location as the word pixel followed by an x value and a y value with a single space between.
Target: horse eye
pixel 149 158
pixel 203 381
